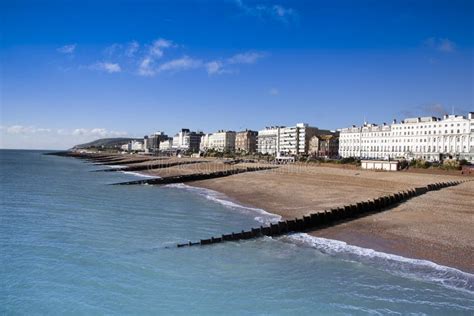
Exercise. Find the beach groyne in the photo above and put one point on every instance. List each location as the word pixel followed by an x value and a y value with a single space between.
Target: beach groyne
pixel 96 157
pixel 326 218
pixel 152 166
pixel 193 176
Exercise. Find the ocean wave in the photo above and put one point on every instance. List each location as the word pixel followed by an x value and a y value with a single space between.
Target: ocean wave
pixel 220 198
pixel 418 269
pixel 116 166
pixel 397 265
pixel 137 174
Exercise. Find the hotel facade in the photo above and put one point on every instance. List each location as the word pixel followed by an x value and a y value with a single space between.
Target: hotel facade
pixel 268 140
pixel 220 141
pixel 186 140
pixel 428 138
pixel 246 141
pixel 288 141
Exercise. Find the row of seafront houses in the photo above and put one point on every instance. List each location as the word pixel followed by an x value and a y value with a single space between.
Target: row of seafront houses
pixel 428 138
pixel 279 141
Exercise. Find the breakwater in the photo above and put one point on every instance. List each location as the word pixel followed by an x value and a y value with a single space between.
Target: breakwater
pixel 325 218
pixel 151 166
pixel 121 159
pixel 194 176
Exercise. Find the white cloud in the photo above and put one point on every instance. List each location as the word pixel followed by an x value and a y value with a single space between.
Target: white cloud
pixel 274 91
pixel 441 44
pixel 283 12
pixel 132 49
pixel 155 51
pixel 184 63
pixel 20 129
pixel 97 132
pixel 147 60
pixel 157 47
pixel 146 67
pixel 67 49
pixel 245 58
pixel 277 12
pixel 31 137
pixel 120 50
pixel 107 67
pixel 214 67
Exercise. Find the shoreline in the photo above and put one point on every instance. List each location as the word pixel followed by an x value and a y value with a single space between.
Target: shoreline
pixel 354 233
pixel 394 263
pixel 293 192
pixel 433 228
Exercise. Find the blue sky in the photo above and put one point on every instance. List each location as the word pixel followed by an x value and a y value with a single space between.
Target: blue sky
pixel 72 71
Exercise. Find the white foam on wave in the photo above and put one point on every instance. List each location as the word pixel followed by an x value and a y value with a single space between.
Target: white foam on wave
pixel 116 166
pixel 406 267
pixel 418 269
pixel 137 174
pixel 220 198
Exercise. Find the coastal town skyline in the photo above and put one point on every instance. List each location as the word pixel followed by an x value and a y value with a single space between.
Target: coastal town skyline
pixel 251 157
pixel 249 65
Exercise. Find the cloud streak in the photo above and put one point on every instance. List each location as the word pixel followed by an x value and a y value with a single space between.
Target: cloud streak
pixel 67 49
pixel 132 49
pixel 275 12
pixel 149 60
pixel 180 64
pixel 154 52
pixel 107 67
pixel 245 58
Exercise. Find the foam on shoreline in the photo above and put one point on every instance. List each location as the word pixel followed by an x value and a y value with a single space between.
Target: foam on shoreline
pixel 137 174
pixel 217 197
pixel 116 166
pixel 418 269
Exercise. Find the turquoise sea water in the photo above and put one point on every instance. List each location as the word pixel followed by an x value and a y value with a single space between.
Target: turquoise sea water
pixel 72 244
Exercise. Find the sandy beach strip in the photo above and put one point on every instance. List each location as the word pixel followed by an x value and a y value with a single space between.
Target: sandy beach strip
pixel 438 226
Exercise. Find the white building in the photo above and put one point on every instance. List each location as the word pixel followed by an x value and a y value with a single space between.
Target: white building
pixel 166 145
pixel 187 140
pixel 428 138
pixel 268 140
pixel 220 141
pixel 133 146
pixel 387 165
pixel 287 141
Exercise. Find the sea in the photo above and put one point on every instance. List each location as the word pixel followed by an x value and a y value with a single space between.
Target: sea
pixel 72 243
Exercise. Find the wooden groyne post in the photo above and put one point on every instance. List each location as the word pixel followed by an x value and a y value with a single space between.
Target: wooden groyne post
pixel 325 218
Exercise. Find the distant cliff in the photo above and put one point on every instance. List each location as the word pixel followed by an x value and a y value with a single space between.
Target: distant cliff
pixel 106 143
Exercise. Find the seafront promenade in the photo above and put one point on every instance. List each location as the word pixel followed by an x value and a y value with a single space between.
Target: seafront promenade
pixel 436 225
